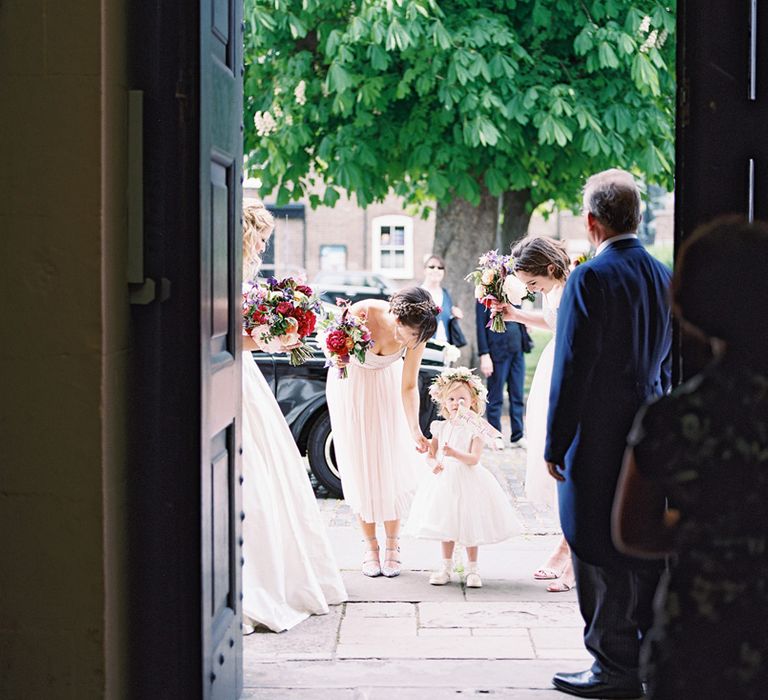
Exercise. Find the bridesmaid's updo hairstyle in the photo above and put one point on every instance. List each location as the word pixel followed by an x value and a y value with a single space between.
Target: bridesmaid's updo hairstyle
pixel 534 255
pixel 256 220
pixel 413 307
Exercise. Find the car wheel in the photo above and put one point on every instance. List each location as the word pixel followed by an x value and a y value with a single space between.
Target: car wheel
pixel 321 455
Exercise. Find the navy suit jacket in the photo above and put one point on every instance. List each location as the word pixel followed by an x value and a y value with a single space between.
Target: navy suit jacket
pixel 498 345
pixel 612 355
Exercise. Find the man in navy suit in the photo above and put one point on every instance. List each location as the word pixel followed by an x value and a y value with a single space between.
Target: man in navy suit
pixel 503 364
pixel 614 336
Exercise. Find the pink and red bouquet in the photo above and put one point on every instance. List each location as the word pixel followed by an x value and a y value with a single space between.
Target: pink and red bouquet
pixel 345 336
pixel 495 281
pixel 280 315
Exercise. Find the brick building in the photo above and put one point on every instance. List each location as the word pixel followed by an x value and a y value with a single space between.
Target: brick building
pixel 388 239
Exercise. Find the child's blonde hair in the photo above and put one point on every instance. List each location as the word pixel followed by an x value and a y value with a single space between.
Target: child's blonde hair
pixel 256 220
pixel 452 377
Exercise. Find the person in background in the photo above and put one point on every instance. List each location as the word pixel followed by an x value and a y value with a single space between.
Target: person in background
pixel 434 273
pixel 705 449
pixel 502 363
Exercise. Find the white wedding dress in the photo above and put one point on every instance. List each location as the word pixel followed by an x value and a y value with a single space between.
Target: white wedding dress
pixel 289 571
pixel 540 487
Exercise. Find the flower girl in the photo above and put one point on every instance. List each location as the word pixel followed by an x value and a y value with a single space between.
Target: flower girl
pixel 460 501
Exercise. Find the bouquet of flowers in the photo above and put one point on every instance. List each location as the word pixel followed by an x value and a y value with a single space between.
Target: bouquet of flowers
pixel 495 281
pixel 280 315
pixel 345 336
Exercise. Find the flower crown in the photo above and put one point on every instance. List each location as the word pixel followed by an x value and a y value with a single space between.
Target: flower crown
pixel 457 374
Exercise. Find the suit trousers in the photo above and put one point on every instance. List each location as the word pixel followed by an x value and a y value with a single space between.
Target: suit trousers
pixel 616 602
pixel 509 371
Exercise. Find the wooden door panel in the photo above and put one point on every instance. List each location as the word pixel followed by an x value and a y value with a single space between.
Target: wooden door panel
pixel 220 189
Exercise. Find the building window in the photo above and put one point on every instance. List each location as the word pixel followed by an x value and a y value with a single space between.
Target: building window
pixel 392 246
pixel 333 257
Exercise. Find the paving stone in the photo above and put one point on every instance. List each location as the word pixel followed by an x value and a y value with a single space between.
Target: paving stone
pixel 513 647
pixel 315 638
pixel 380 610
pixel 408 587
pixel 498 614
pixel 518 590
pixel 394 631
pixel 400 693
pixel 558 637
pixel 444 632
pixel 415 673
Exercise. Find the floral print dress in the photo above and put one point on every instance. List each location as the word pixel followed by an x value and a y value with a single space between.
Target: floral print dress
pixel 707 444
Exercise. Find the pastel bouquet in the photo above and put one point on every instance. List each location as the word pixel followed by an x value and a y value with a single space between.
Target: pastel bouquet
pixel 280 315
pixel 495 282
pixel 346 336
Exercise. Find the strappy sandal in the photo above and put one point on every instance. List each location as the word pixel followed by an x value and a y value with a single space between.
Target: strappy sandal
pixel 371 565
pixel 387 570
pixel 560 587
pixel 547 573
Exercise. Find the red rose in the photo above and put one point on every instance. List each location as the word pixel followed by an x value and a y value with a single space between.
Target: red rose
pixel 304 289
pixel 336 342
pixel 284 308
pixel 311 320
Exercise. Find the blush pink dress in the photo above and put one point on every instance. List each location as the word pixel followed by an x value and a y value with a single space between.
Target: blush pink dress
pixel 375 452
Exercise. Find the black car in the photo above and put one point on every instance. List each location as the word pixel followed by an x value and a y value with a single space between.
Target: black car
pixel 354 285
pixel 300 392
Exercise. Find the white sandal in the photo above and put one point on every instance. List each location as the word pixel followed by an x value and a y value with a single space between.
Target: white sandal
pixel 371 565
pixel 391 571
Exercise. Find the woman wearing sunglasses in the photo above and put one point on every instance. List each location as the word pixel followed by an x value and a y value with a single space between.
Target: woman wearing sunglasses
pixel 434 272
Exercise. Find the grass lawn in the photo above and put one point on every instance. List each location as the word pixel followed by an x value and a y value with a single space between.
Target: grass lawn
pixel 540 339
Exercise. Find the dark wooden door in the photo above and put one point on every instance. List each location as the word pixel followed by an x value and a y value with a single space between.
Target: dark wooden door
pixel 722 146
pixel 220 264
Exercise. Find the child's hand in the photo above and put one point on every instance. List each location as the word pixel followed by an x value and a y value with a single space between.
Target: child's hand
pixel 448 451
pixel 438 468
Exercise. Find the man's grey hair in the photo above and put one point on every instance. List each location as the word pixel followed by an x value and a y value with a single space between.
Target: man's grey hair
pixel 613 198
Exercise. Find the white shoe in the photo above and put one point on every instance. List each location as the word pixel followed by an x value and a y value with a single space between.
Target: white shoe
pixel 520 443
pixel 440 577
pixel 498 444
pixel 473 579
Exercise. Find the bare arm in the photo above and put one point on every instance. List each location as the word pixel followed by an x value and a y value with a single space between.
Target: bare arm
pixel 641 524
pixel 470 458
pixel 410 394
pixel 249 344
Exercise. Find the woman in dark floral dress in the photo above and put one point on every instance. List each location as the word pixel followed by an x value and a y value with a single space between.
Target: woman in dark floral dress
pixel 705 448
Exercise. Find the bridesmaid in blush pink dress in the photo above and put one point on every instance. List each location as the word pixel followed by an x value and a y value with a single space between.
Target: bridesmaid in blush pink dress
pixel 375 420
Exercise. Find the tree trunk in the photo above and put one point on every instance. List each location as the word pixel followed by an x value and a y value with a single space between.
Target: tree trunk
pixel 462 234
pixel 516 215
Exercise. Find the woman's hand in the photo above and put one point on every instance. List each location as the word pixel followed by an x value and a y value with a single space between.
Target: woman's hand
pixel 422 444
pixel 456 312
pixel 507 311
pixel 486 365
pixel 448 451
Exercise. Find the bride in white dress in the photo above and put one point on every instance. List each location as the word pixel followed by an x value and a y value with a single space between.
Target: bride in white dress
pixel 543 265
pixel 289 571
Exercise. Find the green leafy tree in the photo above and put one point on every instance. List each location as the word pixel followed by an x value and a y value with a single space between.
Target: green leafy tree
pixel 477 107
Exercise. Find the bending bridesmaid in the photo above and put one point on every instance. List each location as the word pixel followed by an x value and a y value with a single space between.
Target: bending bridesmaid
pixel 375 419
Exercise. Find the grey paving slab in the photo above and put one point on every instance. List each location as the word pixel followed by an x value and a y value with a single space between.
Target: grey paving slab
pixel 498 614
pixel 512 647
pixel 366 610
pixel 388 631
pixel 414 673
pixel 410 586
pixel 558 637
pixel 374 693
pixel 526 589
pixel 315 638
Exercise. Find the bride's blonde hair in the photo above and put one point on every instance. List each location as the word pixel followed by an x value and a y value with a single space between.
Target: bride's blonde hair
pixel 256 220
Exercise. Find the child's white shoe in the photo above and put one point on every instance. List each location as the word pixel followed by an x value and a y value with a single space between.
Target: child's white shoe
pixel 442 575
pixel 473 579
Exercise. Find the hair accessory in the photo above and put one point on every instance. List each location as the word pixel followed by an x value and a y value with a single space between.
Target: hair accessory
pixel 457 374
pixel 438 310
